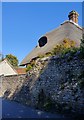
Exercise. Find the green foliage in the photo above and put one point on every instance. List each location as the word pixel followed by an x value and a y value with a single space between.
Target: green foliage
pixel 29 67
pixel 82 44
pixel 40 56
pixel 73 50
pixel 45 55
pixel 67 43
pixel 65 47
pixel 82 48
pixel 48 54
pixel 57 49
pixel 32 63
pixel 12 59
pixel 65 51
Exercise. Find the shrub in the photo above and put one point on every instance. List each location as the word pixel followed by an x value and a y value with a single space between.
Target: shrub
pixel 29 67
pixel 65 47
pixel 73 50
pixel 65 51
pixel 82 44
pixel 32 63
pixel 82 48
pixel 61 49
pixel 57 49
pixel 40 56
pixel 48 54
pixel 67 43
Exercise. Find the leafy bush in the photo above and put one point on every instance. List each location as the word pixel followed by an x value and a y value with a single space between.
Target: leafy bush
pixel 40 56
pixel 61 49
pixel 65 47
pixel 57 49
pixel 32 63
pixel 65 51
pixel 68 43
pixel 82 48
pixel 48 54
pixel 12 60
pixel 29 67
pixel 73 50
pixel 82 44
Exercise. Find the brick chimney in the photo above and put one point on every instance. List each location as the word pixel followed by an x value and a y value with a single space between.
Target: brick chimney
pixel 73 15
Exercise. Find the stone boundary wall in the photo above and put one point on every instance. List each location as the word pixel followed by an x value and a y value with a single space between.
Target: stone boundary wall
pixel 52 80
pixel 9 84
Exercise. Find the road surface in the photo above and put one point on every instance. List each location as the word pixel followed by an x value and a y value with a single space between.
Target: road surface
pixel 11 109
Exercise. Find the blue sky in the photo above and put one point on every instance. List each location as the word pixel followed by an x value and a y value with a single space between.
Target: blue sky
pixel 24 23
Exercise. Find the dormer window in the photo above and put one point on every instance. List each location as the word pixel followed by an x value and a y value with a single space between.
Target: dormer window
pixel 42 41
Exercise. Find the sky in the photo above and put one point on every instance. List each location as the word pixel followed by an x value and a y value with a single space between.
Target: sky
pixel 23 23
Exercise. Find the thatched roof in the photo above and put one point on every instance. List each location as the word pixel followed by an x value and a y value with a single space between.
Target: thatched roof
pixel 68 29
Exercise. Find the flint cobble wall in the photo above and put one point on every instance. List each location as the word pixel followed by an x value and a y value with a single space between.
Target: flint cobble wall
pixel 60 79
pixel 9 84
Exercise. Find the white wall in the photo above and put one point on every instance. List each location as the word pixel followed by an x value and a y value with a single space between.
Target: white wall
pixel 6 69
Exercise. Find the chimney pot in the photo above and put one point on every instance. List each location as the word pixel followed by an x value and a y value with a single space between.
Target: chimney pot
pixel 73 15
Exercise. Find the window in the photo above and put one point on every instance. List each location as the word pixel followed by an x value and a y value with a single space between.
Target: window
pixel 42 41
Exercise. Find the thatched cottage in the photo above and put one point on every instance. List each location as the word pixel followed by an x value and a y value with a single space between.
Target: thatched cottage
pixel 68 29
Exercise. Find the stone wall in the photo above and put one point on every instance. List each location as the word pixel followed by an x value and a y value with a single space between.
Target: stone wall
pixel 9 84
pixel 59 79
pixel 62 80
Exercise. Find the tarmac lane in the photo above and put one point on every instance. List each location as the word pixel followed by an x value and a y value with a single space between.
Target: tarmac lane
pixel 11 109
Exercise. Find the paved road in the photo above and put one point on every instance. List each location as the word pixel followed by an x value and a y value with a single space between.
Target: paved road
pixel 11 109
